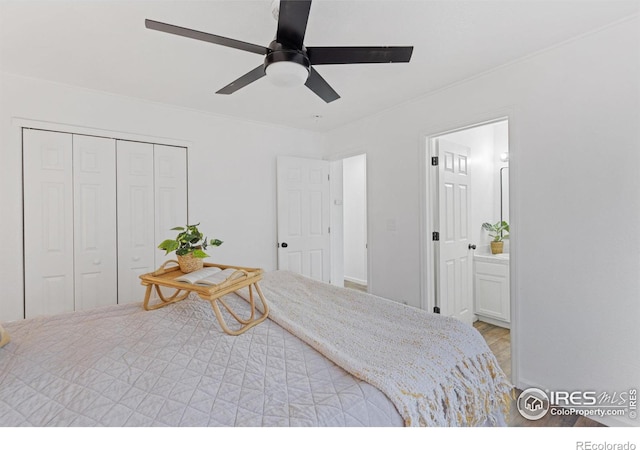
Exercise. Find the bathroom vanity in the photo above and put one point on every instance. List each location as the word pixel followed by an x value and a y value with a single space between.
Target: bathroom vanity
pixel 491 288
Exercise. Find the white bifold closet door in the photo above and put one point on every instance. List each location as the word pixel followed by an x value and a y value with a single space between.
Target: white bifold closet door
pixel 94 231
pixel 95 210
pixel 48 222
pixel 69 229
pixel 152 199
pixel 170 171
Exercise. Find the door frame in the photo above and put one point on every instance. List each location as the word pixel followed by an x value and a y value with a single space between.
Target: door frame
pixel 427 225
pixel 336 236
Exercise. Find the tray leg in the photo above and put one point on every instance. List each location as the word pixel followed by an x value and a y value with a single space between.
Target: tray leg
pixel 175 297
pixel 245 324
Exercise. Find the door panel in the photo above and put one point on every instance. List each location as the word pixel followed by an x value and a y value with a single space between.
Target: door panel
pixel 48 222
pixel 136 240
pixel 170 173
pixel 454 261
pixel 303 216
pixel 94 184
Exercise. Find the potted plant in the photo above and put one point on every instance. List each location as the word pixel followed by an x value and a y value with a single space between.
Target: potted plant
pixel 190 245
pixel 498 231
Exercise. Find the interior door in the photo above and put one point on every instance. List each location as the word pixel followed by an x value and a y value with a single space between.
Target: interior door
pixel 94 186
pixel 136 239
pixel 303 217
pixel 454 255
pixel 48 222
pixel 170 178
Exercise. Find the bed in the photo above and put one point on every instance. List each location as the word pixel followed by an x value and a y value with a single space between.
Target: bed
pixel 327 356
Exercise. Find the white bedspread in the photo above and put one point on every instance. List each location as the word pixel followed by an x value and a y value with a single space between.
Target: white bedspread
pixel 123 366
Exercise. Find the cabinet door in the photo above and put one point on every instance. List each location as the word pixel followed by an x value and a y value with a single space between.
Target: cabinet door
pixel 170 167
pixel 48 222
pixel 492 291
pixel 94 184
pixel 136 240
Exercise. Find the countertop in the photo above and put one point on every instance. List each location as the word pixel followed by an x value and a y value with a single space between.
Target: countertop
pixel 501 258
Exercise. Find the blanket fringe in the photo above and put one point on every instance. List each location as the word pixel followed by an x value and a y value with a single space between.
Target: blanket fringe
pixel 462 401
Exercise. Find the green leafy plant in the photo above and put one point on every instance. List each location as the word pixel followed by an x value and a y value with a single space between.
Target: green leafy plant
pixel 189 240
pixel 498 231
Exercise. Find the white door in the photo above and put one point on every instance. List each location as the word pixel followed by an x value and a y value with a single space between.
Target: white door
pixel 136 240
pixel 303 216
pixel 94 187
pixel 48 222
pixel 170 178
pixel 454 255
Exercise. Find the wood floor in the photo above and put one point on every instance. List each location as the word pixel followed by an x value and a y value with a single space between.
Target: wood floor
pixel 499 341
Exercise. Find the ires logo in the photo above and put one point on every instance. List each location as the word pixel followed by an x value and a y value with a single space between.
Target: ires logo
pixel 533 403
pixel 576 398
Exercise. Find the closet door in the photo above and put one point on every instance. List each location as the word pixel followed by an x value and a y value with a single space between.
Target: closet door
pixel 48 222
pixel 136 240
pixel 94 185
pixel 170 194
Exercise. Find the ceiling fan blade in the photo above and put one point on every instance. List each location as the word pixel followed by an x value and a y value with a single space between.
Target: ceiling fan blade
pixel 358 55
pixel 207 37
pixel 244 80
pixel 292 22
pixel 322 89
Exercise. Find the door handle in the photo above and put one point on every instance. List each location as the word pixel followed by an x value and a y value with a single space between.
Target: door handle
pixel 285 245
pixel 472 246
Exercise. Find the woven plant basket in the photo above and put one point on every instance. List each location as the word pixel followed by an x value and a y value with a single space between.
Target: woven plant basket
pixel 189 263
pixel 497 247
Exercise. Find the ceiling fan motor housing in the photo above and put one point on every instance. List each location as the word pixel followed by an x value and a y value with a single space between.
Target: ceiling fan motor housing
pixel 292 75
pixel 280 53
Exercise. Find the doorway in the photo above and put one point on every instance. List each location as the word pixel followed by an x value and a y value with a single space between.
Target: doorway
pixel 349 224
pixel 354 218
pixel 469 187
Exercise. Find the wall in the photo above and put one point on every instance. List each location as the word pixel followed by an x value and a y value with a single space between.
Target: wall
pixel 232 183
pixel 355 218
pixel 574 115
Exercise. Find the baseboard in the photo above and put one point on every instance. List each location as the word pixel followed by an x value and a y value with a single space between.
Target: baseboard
pixel 355 280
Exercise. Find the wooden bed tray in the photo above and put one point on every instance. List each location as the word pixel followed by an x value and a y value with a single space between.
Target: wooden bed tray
pixel 242 277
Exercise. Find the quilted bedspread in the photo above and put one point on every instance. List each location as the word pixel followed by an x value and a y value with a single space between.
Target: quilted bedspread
pixel 124 366
pixel 309 364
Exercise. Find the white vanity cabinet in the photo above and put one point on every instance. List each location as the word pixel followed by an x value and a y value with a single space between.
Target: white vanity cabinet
pixel 491 289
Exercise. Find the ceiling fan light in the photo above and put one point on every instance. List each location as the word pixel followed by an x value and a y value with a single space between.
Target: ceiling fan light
pixel 287 73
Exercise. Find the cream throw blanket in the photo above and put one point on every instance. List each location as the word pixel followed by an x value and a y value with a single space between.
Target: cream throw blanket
pixel 436 370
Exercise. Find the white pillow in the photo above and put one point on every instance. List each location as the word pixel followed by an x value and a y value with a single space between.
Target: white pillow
pixel 4 336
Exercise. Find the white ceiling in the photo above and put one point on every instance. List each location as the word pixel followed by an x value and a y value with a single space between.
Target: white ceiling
pixel 104 45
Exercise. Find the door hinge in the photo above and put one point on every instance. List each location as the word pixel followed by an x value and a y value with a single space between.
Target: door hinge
pixel 435 236
pixel 328 177
pixel 436 309
pixel 329 230
pixel 434 160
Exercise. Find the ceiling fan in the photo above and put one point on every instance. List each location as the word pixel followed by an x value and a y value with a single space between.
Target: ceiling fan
pixel 287 61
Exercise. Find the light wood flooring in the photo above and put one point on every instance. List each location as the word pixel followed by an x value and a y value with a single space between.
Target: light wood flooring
pixel 499 341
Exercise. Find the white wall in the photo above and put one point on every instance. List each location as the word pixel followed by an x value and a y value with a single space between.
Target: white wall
pixel 232 183
pixel 575 202
pixel 354 172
